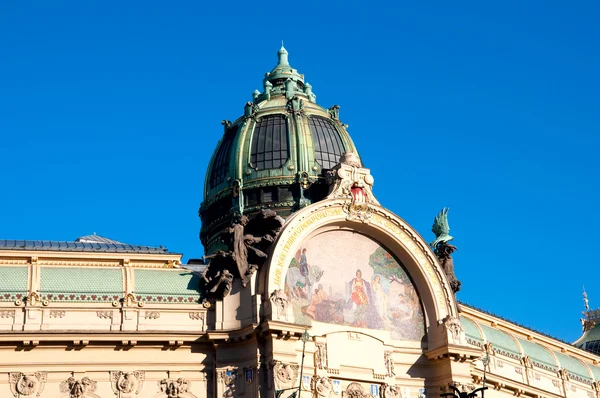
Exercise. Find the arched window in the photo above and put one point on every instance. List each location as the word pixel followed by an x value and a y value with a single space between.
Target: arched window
pixel 270 147
pixel 327 141
pixel 220 166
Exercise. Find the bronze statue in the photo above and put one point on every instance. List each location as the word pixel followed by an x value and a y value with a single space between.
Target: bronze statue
pixel 442 249
pixel 463 394
pixel 247 241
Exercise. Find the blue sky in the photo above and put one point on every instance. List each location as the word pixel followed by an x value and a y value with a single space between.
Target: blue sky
pixel 109 112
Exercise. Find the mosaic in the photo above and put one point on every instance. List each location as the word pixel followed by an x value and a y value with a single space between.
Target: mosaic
pixel 345 278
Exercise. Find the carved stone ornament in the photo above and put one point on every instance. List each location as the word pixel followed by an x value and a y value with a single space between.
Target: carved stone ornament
pixel 389 363
pixel 390 391
pixel 454 328
pixel 247 241
pixel 321 356
pixel 348 180
pixel 172 388
pixel 563 374
pixel 27 385
pixel 526 361
pixel 279 303
pixel 285 374
pixel 127 384
pixel 355 390
pixel 78 388
pixel 322 386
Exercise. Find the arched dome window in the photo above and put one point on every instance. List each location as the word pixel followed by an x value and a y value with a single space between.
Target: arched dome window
pixel 270 147
pixel 327 141
pixel 220 168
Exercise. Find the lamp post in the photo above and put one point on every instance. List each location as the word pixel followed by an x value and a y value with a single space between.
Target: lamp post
pixel 305 337
pixel 296 394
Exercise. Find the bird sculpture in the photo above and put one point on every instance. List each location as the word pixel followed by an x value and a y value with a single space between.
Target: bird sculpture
pixel 441 229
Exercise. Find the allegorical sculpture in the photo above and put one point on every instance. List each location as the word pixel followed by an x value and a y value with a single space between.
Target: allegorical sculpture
pixel 442 249
pixel 247 242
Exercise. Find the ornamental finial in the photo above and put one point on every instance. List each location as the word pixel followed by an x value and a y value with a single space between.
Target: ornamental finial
pixel 283 55
pixel 586 302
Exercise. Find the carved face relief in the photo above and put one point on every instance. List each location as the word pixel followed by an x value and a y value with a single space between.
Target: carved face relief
pixel 23 385
pixel 174 388
pixel 127 384
pixel 78 388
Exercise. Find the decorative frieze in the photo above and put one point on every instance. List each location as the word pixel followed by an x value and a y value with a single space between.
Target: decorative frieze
pixel 27 385
pixel 57 313
pixel 152 315
pixel 104 314
pixel 127 384
pixel 197 316
pixel 7 314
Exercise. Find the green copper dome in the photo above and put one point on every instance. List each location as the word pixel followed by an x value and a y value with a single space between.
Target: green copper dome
pixel 275 156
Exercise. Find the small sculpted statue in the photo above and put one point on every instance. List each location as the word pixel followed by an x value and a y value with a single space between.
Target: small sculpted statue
pixel 247 241
pixel 442 249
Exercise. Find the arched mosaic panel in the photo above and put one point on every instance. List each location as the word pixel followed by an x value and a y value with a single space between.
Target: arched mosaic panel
pixel 346 278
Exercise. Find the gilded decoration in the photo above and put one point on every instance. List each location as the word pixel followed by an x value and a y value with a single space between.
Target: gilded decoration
pixel 127 384
pixel 346 278
pixel 27 385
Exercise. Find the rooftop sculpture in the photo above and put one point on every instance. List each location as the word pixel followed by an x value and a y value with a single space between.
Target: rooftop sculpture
pixel 442 249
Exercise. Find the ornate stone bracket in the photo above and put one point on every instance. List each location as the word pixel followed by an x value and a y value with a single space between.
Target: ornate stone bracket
pixel 388 358
pixel 27 385
pixel 321 355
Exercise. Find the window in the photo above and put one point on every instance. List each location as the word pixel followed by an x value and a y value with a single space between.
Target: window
pixel 327 141
pixel 269 148
pixel 220 167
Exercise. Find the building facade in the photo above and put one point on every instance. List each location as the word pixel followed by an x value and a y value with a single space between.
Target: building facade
pixel 312 288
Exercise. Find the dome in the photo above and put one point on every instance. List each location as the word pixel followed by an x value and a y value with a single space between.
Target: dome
pixel 275 156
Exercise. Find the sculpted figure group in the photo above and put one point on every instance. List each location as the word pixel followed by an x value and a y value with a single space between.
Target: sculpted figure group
pixel 247 242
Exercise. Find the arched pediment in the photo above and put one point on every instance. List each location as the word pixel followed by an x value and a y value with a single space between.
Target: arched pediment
pixel 380 228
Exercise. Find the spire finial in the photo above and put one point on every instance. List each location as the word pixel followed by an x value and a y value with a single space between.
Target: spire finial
pixel 283 55
pixel 586 302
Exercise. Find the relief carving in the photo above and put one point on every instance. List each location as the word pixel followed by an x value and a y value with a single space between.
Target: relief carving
pixel 57 314
pixel 390 391
pixel 197 316
pixel 78 388
pixel 26 385
pixel 389 363
pixel 322 386
pixel 152 315
pixel 7 314
pixel 104 314
pixel 171 388
pixel 349 180
pixel 321 356
pixel 454 327
pixel 127 384
pixel 279 301
pixel 285 374
pixel 355 390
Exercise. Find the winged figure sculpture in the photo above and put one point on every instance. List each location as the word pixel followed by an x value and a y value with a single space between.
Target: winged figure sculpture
pixel 441 229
